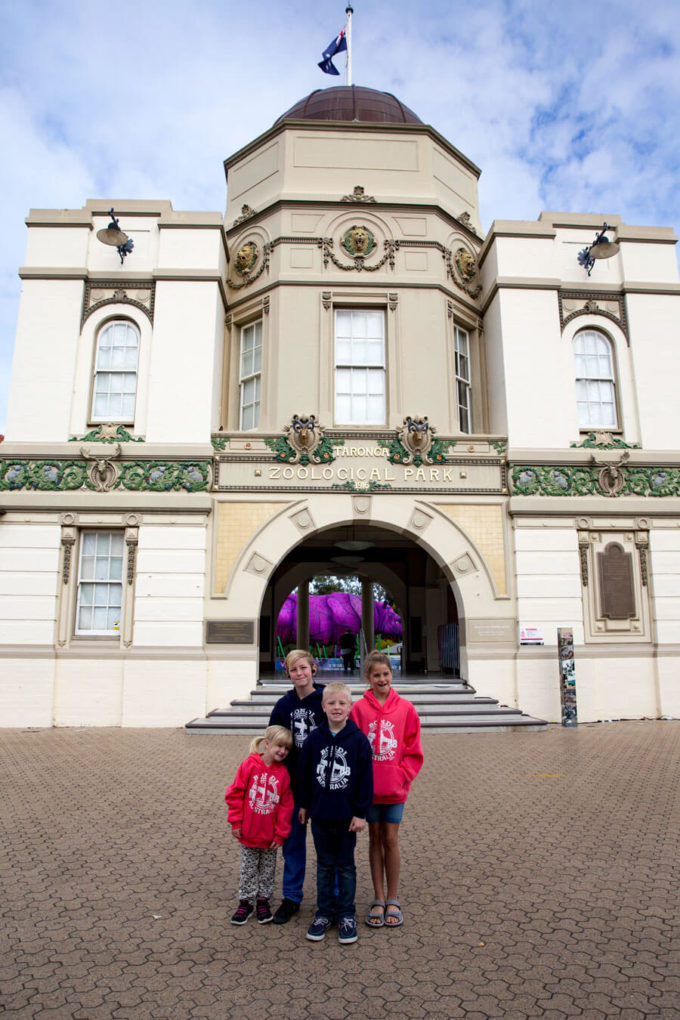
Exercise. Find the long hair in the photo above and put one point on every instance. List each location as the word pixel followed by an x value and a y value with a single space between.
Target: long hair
pixel 376 658
pixel 272 735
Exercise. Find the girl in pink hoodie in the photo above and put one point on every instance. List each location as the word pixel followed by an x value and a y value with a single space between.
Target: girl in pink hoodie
pixel 260 805
pixel 393 728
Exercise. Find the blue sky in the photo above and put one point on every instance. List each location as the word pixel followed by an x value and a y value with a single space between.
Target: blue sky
pixel 565 106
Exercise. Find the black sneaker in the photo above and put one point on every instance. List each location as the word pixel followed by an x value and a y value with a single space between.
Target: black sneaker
pixel 264 914
pixel 347 930
pixel 318 928
pixel 287 910
pixel 243 912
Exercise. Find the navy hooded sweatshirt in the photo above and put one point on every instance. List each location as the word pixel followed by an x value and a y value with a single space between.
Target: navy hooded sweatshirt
pixel 335 773
pixel 300 716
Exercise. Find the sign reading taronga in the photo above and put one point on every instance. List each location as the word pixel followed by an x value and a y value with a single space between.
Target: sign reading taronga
pixel 360 465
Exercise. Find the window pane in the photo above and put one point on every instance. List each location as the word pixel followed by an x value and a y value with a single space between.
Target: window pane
pixel 250 375
pixel 115 383
pixel 360 366
pixel 594 374
pixel 100 582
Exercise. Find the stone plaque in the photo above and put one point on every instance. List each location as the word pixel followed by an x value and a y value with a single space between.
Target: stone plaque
pixel 617 589
pixel 229 632
pixel 482 631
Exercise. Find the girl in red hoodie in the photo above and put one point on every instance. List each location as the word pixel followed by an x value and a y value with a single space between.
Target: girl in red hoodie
pixel 260 811
pixel 393 728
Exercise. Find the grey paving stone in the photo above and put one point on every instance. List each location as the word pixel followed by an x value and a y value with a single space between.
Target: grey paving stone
pixel 523 895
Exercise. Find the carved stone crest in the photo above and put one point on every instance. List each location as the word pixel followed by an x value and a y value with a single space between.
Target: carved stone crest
pixel 246 257
pixel 303 442
pixel 416 435
pixel 358 241
pixel 358 195
pixel 102 472
pixel 611 478
pixel 303 434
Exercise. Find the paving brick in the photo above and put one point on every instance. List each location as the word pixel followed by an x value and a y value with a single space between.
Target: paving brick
pixel 523 897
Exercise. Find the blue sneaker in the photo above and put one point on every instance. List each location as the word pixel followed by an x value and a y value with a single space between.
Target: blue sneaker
pixel 318 928
pixel 347 930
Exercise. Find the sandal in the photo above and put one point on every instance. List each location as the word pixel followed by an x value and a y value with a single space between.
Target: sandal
pixel 376 920
pixel 396 914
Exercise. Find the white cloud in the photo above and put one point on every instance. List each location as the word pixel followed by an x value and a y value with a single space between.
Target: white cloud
pixel 561 109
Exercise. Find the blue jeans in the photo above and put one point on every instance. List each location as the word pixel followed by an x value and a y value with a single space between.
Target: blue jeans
pixel 295 860
pixel 335 861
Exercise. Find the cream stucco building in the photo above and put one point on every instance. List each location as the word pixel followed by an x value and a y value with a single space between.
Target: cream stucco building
pixel 342 370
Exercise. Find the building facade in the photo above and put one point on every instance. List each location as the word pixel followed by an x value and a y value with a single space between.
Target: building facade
pixel 341 373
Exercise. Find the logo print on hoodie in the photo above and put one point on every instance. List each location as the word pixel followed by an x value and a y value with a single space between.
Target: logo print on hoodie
pixel 385 747
pixel 302 724
pixel 263 794
pixel 334 759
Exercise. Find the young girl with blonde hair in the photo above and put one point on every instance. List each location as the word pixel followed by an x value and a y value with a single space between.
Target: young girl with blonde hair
pixel 260 805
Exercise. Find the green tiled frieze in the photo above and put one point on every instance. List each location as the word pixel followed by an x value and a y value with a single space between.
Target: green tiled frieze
pixel 594 480
pixel 107 434
pixel 71 475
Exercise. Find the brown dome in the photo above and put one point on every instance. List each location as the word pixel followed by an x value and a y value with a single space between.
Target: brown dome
pixel 349 103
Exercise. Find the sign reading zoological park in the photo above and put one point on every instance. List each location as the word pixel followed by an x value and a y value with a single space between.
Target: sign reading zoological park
pixel 407 459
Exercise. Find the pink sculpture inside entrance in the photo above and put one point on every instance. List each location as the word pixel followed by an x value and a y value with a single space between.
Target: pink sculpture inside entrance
pixel 331 615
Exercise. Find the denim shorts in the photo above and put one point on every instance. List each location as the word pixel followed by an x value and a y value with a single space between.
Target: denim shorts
pixel 385 813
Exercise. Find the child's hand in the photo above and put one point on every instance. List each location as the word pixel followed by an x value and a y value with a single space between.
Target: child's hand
pixel 302 816
pixel 357 824
pixel 236 833
pixel 274 845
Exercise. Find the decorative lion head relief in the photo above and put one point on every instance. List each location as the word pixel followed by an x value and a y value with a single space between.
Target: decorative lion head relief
pixel 466 264
pixel 358 241
pixel 246 258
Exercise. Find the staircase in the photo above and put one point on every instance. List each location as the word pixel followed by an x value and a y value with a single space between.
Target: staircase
pixel 443 707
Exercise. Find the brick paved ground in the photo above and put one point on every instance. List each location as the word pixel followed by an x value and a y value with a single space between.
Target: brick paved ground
pixel 539 880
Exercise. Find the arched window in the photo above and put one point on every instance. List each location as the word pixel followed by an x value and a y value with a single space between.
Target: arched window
pixel 595 383
pixel 115 373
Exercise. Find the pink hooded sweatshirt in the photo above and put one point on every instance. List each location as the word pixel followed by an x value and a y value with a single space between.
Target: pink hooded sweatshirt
pixel 260 802
pixel 393 731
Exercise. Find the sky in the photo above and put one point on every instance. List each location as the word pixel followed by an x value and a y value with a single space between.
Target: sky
pixel 565 105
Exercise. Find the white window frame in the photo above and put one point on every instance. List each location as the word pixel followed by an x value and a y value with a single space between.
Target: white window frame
pixel 250 375
pixel 360 371
pixel 101 558
pixel 461 345
pixel 116 372
pixel 595 380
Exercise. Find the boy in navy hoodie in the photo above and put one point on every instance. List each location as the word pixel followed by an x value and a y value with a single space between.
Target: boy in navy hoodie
pixel 300 712
pixel 335 790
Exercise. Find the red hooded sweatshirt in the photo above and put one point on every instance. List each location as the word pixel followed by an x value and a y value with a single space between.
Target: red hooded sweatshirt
pixel 260 802
pixel 393 731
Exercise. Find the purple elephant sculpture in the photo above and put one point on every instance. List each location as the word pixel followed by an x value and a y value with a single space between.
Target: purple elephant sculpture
pixel 331 615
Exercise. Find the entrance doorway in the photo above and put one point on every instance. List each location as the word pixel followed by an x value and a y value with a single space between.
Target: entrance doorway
pixel 420 591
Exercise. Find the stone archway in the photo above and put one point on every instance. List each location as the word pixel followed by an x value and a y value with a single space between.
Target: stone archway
pixel 484 611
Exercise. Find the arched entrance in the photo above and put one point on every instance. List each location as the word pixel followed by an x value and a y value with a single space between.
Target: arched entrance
pixel 415 582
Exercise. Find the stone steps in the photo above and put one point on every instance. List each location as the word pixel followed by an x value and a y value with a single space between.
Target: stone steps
pixel 442 707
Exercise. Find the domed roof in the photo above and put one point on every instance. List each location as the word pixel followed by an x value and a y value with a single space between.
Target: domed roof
pixel 351 103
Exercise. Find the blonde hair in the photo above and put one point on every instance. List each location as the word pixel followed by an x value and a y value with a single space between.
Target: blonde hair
pixel 277 735
pixel 295 656
pixel 336 687
pixel 376 658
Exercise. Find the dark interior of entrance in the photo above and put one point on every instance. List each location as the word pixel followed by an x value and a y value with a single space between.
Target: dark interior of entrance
pixel 419 588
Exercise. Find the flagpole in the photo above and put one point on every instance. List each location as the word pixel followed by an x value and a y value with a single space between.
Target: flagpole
pixel 349 11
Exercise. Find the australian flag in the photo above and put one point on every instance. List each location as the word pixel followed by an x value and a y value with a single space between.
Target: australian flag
pixel 337 46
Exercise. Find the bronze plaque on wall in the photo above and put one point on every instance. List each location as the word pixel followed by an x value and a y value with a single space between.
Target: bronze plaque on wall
pixel 617 587
pixel 229 632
